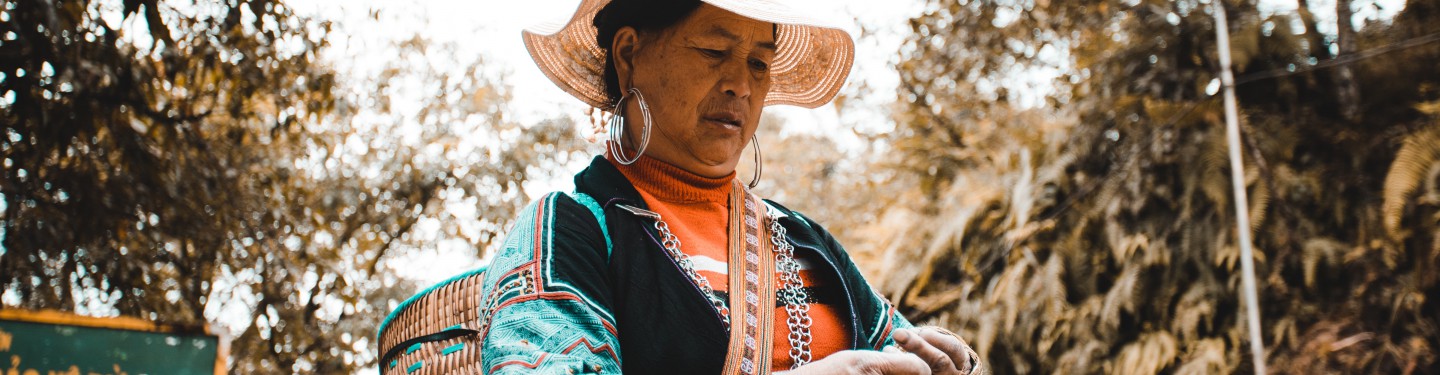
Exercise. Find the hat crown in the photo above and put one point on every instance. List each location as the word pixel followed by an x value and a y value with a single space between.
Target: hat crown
pixel 812 60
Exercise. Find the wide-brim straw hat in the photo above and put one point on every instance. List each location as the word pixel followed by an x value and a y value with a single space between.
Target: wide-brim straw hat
pixel 812 59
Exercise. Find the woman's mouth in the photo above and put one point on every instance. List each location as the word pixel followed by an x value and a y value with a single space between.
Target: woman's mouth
pixel 731 120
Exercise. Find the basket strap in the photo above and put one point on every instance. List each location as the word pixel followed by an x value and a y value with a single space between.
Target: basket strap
pixel 442 335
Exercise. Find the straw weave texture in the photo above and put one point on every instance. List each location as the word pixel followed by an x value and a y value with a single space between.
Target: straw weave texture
pixel 455 303
pixel 812 60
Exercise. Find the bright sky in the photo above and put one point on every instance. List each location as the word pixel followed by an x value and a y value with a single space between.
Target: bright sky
pixel 366 29
pixel 491 29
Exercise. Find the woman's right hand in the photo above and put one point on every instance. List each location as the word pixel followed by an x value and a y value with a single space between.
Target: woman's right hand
pixel 866 362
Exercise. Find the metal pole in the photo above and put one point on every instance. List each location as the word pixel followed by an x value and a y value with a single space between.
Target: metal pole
pixel 1237 178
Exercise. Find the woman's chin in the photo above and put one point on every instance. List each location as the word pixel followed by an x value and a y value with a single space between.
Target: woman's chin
pixel 715 164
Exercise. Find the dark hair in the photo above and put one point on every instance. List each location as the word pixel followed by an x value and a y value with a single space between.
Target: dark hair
pixel 644 16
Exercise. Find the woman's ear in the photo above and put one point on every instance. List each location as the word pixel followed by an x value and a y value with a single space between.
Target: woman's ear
pixel 623 49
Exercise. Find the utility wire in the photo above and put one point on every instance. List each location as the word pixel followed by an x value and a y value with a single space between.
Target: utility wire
pixel 1252 78
pixel 1347 59
pixel 1191 106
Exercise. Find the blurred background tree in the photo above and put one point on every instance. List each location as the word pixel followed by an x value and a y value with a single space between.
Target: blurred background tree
pixel 1089 229
pixel 198 162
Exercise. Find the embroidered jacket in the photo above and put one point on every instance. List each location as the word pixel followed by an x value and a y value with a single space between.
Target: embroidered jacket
pixel 582 286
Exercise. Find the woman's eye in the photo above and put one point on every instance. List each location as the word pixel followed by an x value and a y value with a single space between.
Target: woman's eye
pixel 712 52
pixel 759 65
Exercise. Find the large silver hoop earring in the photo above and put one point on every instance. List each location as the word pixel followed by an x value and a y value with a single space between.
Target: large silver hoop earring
pixel 617 129
pixel 759 165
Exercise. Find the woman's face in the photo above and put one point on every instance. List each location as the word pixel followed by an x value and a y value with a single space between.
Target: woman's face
pixel 704 80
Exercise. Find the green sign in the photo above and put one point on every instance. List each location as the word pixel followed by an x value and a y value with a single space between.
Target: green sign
pixel 53 344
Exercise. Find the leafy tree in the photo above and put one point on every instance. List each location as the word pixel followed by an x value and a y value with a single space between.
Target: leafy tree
pixel 199 163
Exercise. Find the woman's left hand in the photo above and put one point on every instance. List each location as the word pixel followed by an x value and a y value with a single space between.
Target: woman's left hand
pixel 945 352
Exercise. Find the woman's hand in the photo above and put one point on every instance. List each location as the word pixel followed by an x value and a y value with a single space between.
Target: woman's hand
pixel 868 362
pixel 944 352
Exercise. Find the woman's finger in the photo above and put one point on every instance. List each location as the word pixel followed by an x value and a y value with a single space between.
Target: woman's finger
pixel 953 347
pixel 890 361
pixel 898 364
pixel 912 341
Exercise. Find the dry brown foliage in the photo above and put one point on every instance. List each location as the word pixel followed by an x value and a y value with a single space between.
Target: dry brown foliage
pixel 1094 233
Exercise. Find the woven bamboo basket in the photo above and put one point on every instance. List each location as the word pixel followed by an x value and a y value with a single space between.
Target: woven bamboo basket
pixel 434 331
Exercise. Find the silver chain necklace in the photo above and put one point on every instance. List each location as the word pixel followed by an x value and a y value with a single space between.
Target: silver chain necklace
pixel 791 292
pixel 671 243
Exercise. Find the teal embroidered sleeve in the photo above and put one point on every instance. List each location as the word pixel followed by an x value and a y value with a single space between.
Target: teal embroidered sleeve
pixel 890 321
pixel 546 296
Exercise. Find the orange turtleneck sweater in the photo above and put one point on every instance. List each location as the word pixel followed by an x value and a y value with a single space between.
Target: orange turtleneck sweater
pixel 696 209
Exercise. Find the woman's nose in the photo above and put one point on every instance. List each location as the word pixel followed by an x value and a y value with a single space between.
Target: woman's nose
pixel 734 79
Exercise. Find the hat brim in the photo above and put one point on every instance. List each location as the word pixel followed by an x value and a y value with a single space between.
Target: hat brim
pixel 812 58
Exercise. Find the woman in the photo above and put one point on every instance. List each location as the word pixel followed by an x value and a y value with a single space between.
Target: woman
pixel 661 261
